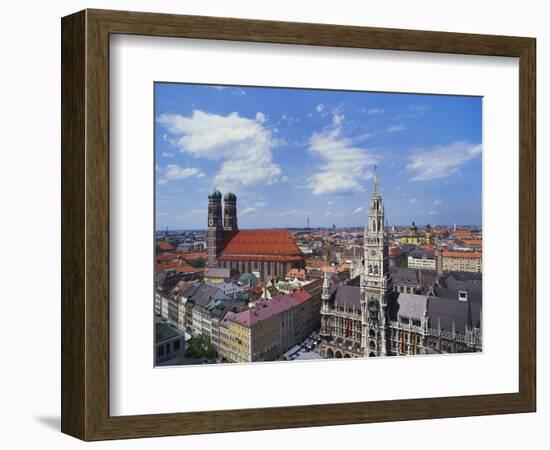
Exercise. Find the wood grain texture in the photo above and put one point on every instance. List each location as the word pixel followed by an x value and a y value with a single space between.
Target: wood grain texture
pixel 85 224
pixel 73 269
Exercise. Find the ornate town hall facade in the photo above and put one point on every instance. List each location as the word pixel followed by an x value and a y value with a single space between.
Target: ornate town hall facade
pixel 373 320
pixel 272 253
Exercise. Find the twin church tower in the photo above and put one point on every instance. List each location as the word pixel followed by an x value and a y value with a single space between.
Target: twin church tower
pixel 220 227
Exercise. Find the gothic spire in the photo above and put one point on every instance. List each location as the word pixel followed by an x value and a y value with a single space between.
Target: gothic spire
pixel 325 294
pixel 375 191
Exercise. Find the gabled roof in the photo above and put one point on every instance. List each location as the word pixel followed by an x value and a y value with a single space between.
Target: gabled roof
pixel 313 286
pixel 262 242
pixel 445 312
pixel 473 295
pixel 301 295
pixel 411 306
pixel 201 294
pixel 345 295
pixel 404 275
pixel 469 281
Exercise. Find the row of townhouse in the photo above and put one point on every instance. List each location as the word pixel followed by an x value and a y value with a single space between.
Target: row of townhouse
pixel 197 309
pixel 268 329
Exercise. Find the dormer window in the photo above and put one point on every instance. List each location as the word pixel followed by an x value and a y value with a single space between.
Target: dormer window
pixel 463 296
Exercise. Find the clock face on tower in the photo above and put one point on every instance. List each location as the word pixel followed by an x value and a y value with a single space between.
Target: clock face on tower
pixel 210 222
pixel 373 252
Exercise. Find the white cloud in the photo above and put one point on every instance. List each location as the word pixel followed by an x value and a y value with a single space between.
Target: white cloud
pixel 244 146
pixel 167 154
pixel 395 128
pixel 359 210
pixel 319 108
pixel 363 136
pixel 420 108
pixel 247 211
pixel 442 161
pixel 343 165
pixel 175 172
pixel 233 90
pixel 260 117
pixel 289 120
pixel 432 213
pixel 374 111
pixel 437 202
pixel 337 119
pixel 413 200
pixel 162 182
pixel 293 212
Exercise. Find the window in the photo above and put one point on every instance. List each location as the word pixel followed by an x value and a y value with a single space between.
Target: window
pixel 176 345
pixel 160 351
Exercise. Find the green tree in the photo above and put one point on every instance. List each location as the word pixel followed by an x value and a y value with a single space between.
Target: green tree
pixel 199 347
pixel 198 263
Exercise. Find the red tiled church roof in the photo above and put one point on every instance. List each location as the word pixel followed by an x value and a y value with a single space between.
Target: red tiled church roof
pixel 272 245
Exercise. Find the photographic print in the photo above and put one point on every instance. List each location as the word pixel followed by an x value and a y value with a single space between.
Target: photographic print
pixel 300 224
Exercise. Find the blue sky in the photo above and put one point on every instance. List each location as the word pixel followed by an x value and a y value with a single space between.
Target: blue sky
pixel 292 153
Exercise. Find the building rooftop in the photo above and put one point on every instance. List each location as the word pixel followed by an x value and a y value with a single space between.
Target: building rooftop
pixel 202 293
pixel 404 275
pixel 264 310
pixel 261 243
pixel 164 332
pixel 217 272
pixel 301 295
pixel 418 253
pixel 411 306
pixel 476 255
pixel 443 312
pixel 470 281
pixel 345 295
pixel 473 295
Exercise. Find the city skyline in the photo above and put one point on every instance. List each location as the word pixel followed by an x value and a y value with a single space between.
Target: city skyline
pixel 289 154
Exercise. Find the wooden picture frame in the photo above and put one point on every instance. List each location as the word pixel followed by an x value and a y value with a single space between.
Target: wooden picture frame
pixel 85 224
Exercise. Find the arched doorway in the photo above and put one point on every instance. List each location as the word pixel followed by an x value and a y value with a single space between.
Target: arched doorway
pixel 338 354
pixel 371 355
pixel 330 353
pixel 347 355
